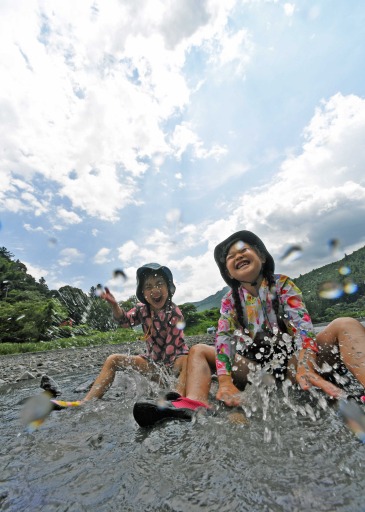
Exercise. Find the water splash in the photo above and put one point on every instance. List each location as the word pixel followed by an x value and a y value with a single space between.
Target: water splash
pixel 350 287
pixel 293 253
pixel 344 270
pixel 330 290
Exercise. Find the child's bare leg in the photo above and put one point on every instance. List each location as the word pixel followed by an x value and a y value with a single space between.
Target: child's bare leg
pixel 180 369
pixel 348 335
pixel 201 364
pixel 107 374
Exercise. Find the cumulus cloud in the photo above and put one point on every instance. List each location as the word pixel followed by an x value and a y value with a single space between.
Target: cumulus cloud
pixel 316 195
pixel 69 256
pixel 102 256
pixel 85 96
pixel 68 217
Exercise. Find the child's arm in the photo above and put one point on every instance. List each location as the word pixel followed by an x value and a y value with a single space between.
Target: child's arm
pixel 119 314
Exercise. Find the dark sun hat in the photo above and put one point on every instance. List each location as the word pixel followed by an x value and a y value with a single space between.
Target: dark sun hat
pixel 221 251
pixel 151 269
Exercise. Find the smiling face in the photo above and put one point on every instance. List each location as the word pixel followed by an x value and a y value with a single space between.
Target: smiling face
pixel 155 291
pixel 243 262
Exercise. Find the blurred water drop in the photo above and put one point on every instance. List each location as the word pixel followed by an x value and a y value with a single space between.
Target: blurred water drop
pixel 35 411
pixel 239 245
pixel 173 216
pixel 333 245
pixel 234 368
pixel 344 271
pixel 292 254
pixel 350 287
pixel 258 356
pixel 119 274
pixel 52 242
pixel 330 290
pixel 99 290
pixel 181 325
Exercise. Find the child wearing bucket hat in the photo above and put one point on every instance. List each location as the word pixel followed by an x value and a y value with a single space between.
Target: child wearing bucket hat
pixel 162 324
pixel 264 325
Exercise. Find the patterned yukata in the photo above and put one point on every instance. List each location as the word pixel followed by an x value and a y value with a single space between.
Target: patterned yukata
pixel 165 341
pixel 259 316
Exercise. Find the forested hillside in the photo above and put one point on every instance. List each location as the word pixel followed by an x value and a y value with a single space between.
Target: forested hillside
pixel 29 311
pixel 343 280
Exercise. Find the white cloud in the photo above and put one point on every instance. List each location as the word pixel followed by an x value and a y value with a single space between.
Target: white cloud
pixel 69 256
pixel 102 256
pixel 86 90
pixel 36 272
pixel 68 217
pixel 316 195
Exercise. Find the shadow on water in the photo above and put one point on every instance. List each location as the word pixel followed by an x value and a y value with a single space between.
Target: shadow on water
pixel 294 455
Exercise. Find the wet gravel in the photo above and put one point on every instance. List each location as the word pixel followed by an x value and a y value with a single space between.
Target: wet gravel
pixel 67 361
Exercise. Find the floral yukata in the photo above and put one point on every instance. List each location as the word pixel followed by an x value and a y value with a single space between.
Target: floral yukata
pixel 259 316
pixel 165 341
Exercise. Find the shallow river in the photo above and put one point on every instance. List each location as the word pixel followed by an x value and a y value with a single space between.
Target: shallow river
pixel 294 455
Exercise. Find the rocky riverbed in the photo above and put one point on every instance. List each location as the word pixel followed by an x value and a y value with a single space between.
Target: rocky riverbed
pixel 67 361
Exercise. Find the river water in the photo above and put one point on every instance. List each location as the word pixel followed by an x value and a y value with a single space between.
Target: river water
pixel 295 454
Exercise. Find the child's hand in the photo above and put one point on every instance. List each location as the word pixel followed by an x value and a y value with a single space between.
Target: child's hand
pixel 109 297
pixel 307 377
pixel 229 394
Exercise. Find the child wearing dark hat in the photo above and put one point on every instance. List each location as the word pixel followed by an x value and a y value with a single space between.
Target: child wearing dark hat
pixel 264 325
pixel 162 323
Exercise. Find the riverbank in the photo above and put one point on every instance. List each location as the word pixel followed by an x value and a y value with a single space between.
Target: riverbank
pixel 33 365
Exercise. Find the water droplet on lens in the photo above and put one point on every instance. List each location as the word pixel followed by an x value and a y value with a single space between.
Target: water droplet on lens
pixel 344 271
pixel 239 245
pixel 52 242
pixel 119 274
pixel 333 245
pixel 292 254
pixel 330 290
pixel 350 287
pixel 181 325
pixel 99 290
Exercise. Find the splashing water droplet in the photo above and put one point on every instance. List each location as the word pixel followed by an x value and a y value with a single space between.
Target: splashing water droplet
pixel 333 245
pixel 119 274
pixel 258 356
pixel 181 325
pixel 344 271
pixel 239 245
pixel 99 290
pixel 234 368
pixel 173 216
pixel 330 290
pixel 292 254
pixel 350 287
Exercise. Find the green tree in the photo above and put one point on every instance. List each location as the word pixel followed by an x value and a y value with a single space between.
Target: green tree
pixel 190 314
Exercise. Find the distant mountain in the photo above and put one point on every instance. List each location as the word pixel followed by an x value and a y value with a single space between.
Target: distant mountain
pixel 213 301
pixel 336 289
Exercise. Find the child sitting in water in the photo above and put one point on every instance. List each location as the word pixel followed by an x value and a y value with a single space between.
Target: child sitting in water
pixel 253 333
pixel 161 322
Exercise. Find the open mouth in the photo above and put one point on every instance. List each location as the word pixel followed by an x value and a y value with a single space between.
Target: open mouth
pixel 242 264
pixel 157 300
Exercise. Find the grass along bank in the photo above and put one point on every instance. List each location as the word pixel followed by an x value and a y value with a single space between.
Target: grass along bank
pixel 93 338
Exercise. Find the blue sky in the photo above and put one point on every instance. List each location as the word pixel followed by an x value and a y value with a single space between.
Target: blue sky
pixel 151 130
